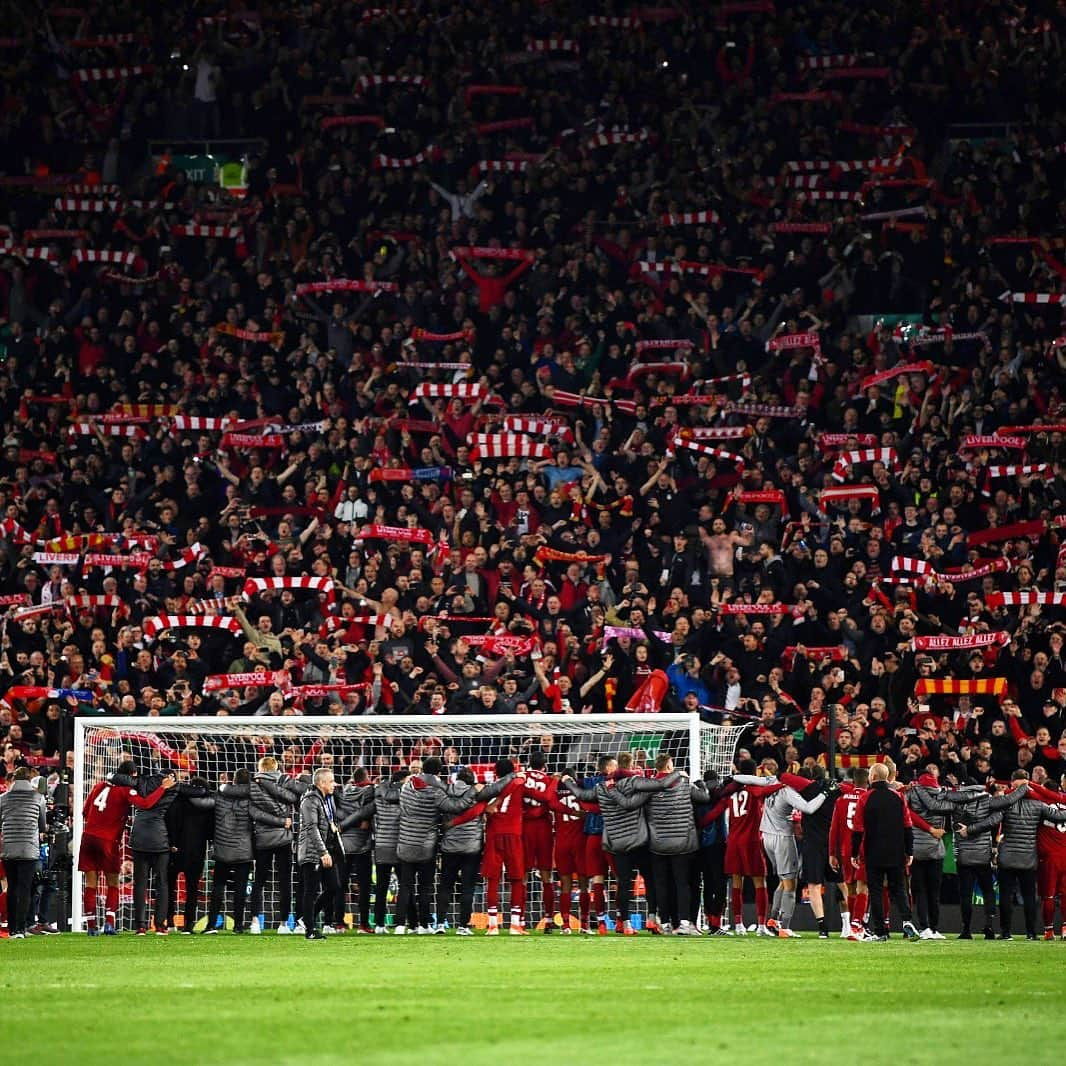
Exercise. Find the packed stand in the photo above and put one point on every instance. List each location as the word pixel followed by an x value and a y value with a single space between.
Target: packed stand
pixel 547 360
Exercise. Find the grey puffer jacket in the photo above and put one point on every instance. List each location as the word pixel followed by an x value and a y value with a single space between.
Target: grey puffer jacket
pixel 273 798
pixel 1017 845
pixel 932 805
pixel 355 809
pixel 316 831
pixel 23 818
pixel 468 838
pixel 671 820
pixel 620 803
pixel 149 834
pixel 386 822
pixel 423 801
pixel 980 813
pixel 233 839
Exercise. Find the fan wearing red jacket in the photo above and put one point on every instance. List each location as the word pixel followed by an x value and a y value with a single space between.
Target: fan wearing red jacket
pixel 840 857
pixel 106 809
pixel 537 833
pixel 503 847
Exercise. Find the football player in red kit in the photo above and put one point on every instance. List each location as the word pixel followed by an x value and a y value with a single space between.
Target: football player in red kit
pixel 106 809
pixel 1051 860
pixel 537 833
pixel 744 855
pixel 503 847
pixel 569 850
pixel 841 858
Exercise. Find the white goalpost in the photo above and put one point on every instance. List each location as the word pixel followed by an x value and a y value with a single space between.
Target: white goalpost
pixel 216 748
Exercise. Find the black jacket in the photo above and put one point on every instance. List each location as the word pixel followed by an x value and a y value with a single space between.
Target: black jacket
pixel 881 825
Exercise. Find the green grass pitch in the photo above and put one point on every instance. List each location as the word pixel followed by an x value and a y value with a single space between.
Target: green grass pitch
pixel 535 1000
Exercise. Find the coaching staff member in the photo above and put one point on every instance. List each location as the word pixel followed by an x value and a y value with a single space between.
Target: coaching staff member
pixel 883 829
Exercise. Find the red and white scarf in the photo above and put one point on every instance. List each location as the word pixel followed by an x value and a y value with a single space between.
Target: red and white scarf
pixel 428 390
pixel 990 440
pixel 91 603
pixel 831 441
pixel 1017 469
pixel 604 140
pixel 1033 297
pixel 821 229
pixel 400 533
pixel 192 554
pixel 863 455
pixel 1055 427
pixel 136 561
pixel 789 341
pixel 691 218
pixel 501 166
pixel 258 679
pixel 661 345
pixel 108 429
pixel 393 162
pixel 130 260
pixel 346 285
pixel 161 622
pixel 717 432
pixel 757 608
pixel 199 424
pixel 1025 599
pixel 321 585
pixel 554 44
pixel 11 530
pixel 760 410
pixel 331 122
pixel 848 492
pixel 773 497
pixel 197 229
pixel 706 449
pixel 87 74
pixel 376 81
pixel 539 425
pixel 253 440
pixel 924 367
pixel 333 623
pixel 975 640
pixel 506 445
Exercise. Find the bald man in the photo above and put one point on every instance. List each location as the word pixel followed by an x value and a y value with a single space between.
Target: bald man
pixel 883 836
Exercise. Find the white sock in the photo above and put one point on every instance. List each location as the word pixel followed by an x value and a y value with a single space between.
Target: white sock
pixel 493 916
pixel 516 916
pixel 845 920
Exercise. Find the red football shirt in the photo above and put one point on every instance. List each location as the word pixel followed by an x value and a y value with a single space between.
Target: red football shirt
pixel 538 785
pixel 108 806
pixel 1051 840
pixel 505 811
pixel 569 819
pixel 745 814
pixel 843 825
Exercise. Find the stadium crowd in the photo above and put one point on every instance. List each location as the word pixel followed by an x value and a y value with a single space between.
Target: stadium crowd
pixel 519 377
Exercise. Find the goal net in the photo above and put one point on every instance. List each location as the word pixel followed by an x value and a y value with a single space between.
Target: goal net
pixel 214 749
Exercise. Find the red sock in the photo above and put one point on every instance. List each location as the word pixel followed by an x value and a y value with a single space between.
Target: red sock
pixel 858 907
pixel 738 905
pixel 564 907
pixel 88 906
pixel 599 900
pixel 885 902
pixel 112 900
pixel 1048 908
pixel 3 908
pixel 492 893
pixel 583 902
pixel 547 898
pixel 714 920
pixel 518 897
pixel 762 904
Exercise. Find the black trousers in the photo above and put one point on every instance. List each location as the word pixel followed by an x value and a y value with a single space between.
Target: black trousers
pixel 673 889
pixel 969 877
pixel 357 867
pixel 319 889
pixel 192 867
pixel 627 863
pixel 877 877
pixel 1025 881
pixel 279 862
pixel 19 887
pixel 226 873
pixel 926 875
pixel 156 863
pixel 464 869
pixel 416 886
pixel 707 869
